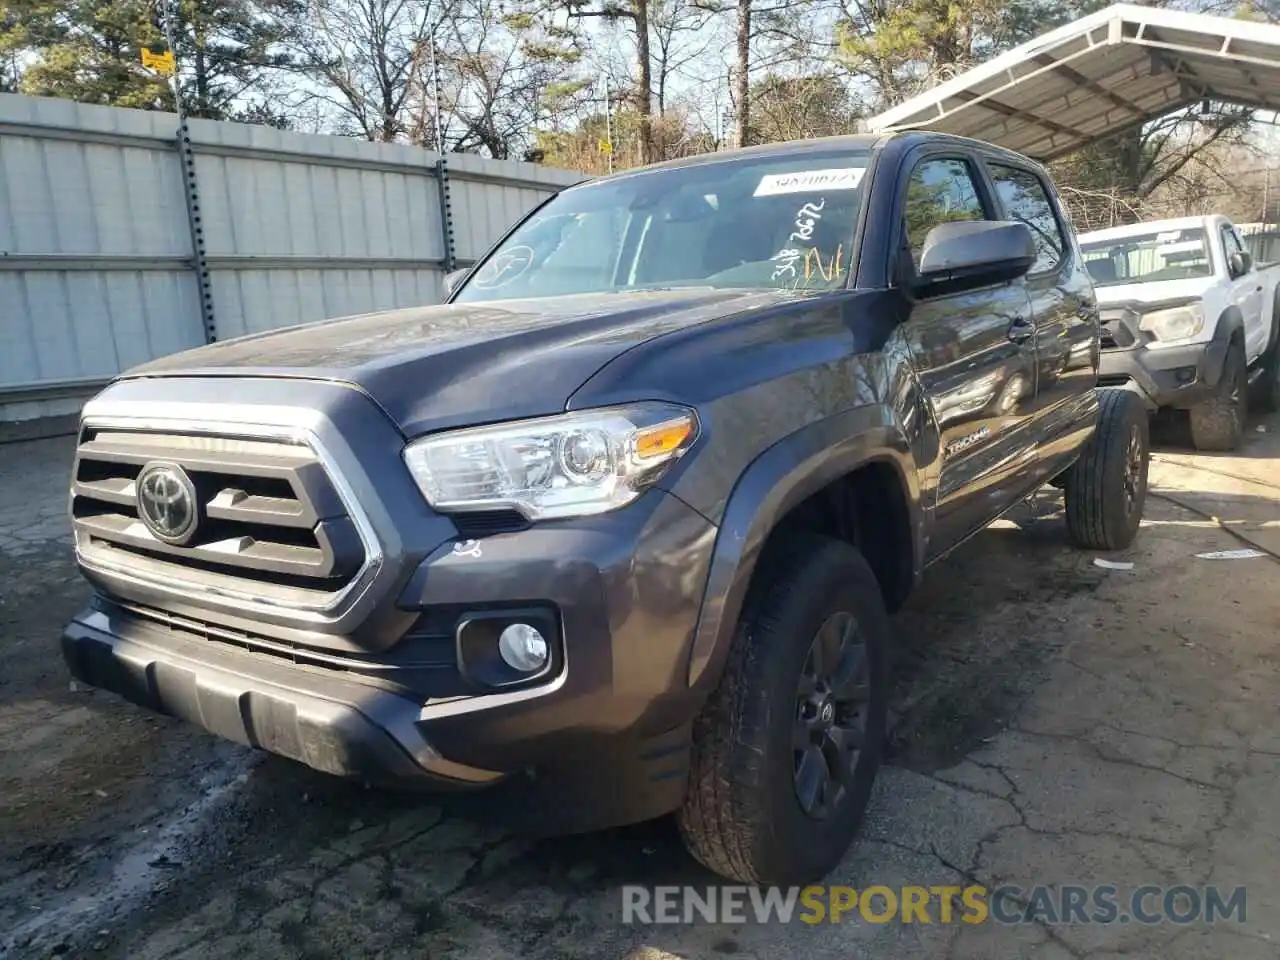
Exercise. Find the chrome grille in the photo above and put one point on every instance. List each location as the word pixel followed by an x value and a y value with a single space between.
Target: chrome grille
pixel 269 514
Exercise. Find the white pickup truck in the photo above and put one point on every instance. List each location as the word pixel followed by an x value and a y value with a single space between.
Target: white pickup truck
pixel 1189 321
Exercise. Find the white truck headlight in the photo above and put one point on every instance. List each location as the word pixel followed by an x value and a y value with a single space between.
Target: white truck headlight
pixel 1176 323
pixel 570 465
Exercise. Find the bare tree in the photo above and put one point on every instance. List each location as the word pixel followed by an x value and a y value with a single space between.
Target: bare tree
pixel 680 37
pixel 1166 163
pixel 366 56
pixel 501 75
pixel 742 73
pixel 767 35
pixel 795 108
pixel 636 14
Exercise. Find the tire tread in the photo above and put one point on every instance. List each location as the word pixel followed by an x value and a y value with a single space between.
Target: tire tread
pixel 1214 425
pixel 1090 505
pixel 722 813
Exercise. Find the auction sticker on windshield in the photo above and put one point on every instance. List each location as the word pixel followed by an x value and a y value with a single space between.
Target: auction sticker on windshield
pixel 803 181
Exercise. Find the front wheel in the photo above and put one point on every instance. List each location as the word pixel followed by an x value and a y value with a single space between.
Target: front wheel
pixel 1218 422
pixel 1106 488
pixel 788 745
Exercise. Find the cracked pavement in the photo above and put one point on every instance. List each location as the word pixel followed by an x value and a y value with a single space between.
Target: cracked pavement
pixel 1053 723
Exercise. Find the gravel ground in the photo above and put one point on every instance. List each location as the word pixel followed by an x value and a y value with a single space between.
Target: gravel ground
pixel 1053 722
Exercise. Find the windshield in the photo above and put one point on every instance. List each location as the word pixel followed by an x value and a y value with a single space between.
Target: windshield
pixel 772 222
pixel 1149 258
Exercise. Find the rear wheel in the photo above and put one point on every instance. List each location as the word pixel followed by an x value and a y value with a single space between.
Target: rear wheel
pixel 1218 423
pixel 787 747
pixel 1106 489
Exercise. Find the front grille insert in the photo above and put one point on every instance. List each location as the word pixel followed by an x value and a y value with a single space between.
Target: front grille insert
pixel 267 513
pixel 424 661
pixel 488 523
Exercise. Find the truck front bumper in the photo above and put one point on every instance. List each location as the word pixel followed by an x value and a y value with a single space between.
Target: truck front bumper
pixel 601 739
pixel 1174 376
pixel 1178 377
pixel 307 714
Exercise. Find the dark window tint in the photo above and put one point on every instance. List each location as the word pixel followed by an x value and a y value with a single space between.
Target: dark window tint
pixel 940 191
pixel 1024 199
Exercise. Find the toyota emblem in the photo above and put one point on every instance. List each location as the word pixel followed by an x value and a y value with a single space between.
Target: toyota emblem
pixel 167 502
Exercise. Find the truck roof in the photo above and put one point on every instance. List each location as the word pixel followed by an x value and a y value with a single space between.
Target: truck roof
pixel 1153 226
pixel 789 148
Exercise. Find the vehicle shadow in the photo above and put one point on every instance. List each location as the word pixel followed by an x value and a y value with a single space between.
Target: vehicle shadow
pixel 970 642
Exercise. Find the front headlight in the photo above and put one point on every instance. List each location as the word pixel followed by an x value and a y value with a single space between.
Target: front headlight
pixel 1177 323
pixel 570 465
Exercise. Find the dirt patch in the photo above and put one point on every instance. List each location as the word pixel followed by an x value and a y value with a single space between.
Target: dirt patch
pixel 79 769
pixel 47 768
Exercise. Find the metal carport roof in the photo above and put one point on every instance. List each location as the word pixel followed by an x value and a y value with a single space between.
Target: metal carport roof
pixel 1114 69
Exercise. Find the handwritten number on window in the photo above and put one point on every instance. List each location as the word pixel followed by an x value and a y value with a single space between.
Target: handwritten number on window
pixel 787 260
pixel 807 218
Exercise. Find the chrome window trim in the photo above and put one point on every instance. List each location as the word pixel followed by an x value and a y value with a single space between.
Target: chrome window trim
pixel 236 601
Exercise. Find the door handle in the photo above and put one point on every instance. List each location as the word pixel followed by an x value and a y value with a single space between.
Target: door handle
pixel 1020 330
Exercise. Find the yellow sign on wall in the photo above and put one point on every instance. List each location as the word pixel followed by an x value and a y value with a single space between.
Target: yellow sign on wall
pixel 159 62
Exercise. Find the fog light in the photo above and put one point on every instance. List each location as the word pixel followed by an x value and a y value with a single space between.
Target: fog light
pixel 523 648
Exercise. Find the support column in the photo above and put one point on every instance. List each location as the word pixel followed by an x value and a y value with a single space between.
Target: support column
pixel 187 161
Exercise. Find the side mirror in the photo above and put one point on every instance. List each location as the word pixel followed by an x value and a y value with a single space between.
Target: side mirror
pixel 454 279
pixel 973 253
pixel 1239 263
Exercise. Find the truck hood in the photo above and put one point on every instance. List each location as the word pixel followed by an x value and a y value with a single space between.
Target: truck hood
pixel 455 364
pixel 1192 288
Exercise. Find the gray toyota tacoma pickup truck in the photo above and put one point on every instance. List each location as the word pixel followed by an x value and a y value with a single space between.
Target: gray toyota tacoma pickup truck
pixel 620 523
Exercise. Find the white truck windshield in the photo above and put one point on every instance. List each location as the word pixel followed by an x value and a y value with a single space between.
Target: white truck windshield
pixel 781 222
pixel 1149 258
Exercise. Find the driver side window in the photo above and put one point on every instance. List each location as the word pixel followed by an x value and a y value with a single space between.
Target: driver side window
pixel 1230 242
pixel 939 191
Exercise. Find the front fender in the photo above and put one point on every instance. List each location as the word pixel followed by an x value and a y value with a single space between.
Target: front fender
pixel 1230 323
pixel 784 475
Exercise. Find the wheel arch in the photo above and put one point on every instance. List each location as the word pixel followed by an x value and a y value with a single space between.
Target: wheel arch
pixel 783 477
pixel 1228 328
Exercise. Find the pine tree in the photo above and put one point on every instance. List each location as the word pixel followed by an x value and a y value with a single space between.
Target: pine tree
pixel 90 50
